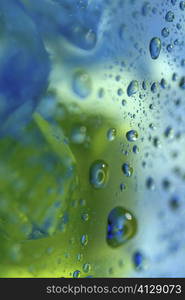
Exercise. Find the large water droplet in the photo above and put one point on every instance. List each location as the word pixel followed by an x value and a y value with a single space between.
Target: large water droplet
pixel 81 84
pixel 133 88
pixel 155 47
pixel 122 226
pixel 99 174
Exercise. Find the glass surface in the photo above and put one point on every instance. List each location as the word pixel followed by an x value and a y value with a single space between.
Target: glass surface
pixel 92 138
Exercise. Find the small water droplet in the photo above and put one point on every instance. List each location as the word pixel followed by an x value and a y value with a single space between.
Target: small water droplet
pixel 79 256
pixel 120 92
pixel 169 48
pixel 150 184
pixel 101 93
pixel 144 85
pixel 124 102
pixel 182 5
pixel 154 87
pixel 81 83
pixel 138 260
pixel 132 135
pixel 166 184
pixel 78 134
pixel 182 83
pixel 86 268
pixel 156 142
pixel 76 274
pixel 169 17
pixel 99 174
pixel 163 83
pixel 82 202
pixel 135 149
pixel 122 226
pixel 85 217
pixel 165 32
pixel 127 170
pixel 122 187
pixel 132 88
pixel 155 47
pixel 169 132
pixel 173 2
pixel 84 240
pixel 174 202
pixel 111 134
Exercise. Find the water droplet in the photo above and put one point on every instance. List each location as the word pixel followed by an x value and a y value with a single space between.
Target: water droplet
pixel 182 83
pixel 99 174
pixel 163 83
pixel 174 202
pixel 169 48
pixel 85 217
pixel 127 169
pixel 135 149
pixel 165 32
pixel 118 77
pixel 173 2
pixel 156 142
pixel 132 135
pixel 183 62
pixel 111 134
pixel 120 92
pixel 155 47
pixel 15 253
pixel 150 183
pixel 81 84
pixel 179 26
pixel 144 85
pixel 101 93
pixel 79 256
pixel 132 88
pixel 90 39
pixel 76 274
pixel 122 226
pixel 138 260
pixel 169 132
pixel 84 240
pixel 146 9
pixel 82 202
pixel 182 5
pixel 124 102
pixel 154 87
pixel 122 187
pixel 169 16
pixel 78 135
pixel 86 268
pixel 166 184
pixel 174 76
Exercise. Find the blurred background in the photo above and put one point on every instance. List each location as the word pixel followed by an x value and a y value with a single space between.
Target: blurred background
pixel 92 137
